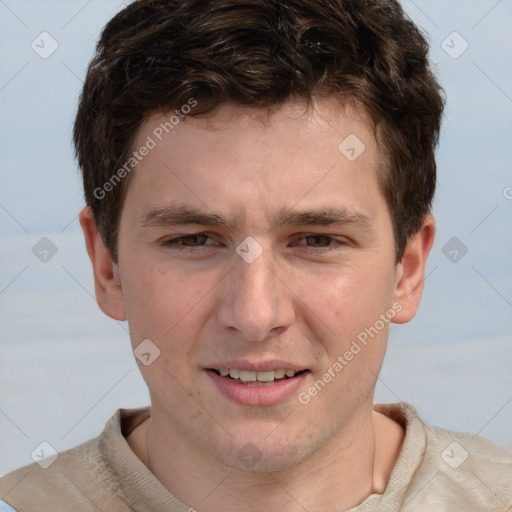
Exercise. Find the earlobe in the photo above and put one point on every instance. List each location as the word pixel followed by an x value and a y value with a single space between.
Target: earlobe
pixel 107 282
pixel 410 274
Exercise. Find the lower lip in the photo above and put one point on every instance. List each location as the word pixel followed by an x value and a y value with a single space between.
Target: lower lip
pixel 259 395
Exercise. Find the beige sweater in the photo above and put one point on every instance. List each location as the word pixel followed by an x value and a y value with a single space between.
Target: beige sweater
pixel 437 471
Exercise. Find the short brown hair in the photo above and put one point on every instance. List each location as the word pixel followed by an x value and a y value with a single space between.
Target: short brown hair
pixel 155 55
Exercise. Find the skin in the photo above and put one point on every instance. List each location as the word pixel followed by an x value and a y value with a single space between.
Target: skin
pixel 297 302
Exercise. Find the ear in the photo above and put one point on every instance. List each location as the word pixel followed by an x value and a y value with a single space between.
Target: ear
pixel 107 284
pixel 410 272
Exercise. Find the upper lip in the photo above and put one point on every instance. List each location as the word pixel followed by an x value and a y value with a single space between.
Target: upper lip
pixel 263 366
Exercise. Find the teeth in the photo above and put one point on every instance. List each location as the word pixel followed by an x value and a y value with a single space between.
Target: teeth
pixel 265 376
pixel 249 376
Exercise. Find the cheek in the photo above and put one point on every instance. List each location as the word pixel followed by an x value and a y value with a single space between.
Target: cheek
pixel 342 304
pixel 159 301
pixel 164 307
pixel 343 313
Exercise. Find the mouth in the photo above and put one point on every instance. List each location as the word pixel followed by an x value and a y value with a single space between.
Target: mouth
pixel 254 378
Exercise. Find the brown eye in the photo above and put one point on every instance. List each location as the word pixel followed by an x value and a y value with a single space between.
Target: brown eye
pixel 318 240
pixel 185 242
pixel 191 240
pixel 319 243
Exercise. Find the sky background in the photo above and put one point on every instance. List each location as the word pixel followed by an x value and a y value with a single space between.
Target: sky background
pixel 65 367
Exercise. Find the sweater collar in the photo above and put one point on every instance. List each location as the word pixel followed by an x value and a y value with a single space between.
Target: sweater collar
pixel 144 492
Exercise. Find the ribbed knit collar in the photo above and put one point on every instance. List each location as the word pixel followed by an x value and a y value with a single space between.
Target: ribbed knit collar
pixel 145 493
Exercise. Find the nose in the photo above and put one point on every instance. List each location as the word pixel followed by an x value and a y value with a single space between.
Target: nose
pixel 256 302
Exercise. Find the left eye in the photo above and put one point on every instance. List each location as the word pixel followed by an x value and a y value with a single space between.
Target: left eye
pixel 317 240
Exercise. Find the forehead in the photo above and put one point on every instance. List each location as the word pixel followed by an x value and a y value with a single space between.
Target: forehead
pixel 291 117
pixel 256 158
pixel 324 130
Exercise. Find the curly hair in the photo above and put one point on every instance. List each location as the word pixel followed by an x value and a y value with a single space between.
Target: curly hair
pixel 157 55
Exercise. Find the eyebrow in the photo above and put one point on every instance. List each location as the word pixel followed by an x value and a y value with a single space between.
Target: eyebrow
pixel 321 217
pixel 182 215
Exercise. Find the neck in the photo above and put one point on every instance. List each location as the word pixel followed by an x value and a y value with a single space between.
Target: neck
pixel 353 465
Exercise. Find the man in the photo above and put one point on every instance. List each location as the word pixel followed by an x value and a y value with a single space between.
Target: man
pixel 258 178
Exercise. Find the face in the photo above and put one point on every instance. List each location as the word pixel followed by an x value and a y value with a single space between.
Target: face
pixel 254 244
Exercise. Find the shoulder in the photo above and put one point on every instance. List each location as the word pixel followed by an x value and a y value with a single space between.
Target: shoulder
pixel 469 459
pixel 81 478
pixel 445 471
pixel 68 479
pixel 464 470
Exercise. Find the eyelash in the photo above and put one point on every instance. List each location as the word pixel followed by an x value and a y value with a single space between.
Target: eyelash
pixel 175 245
